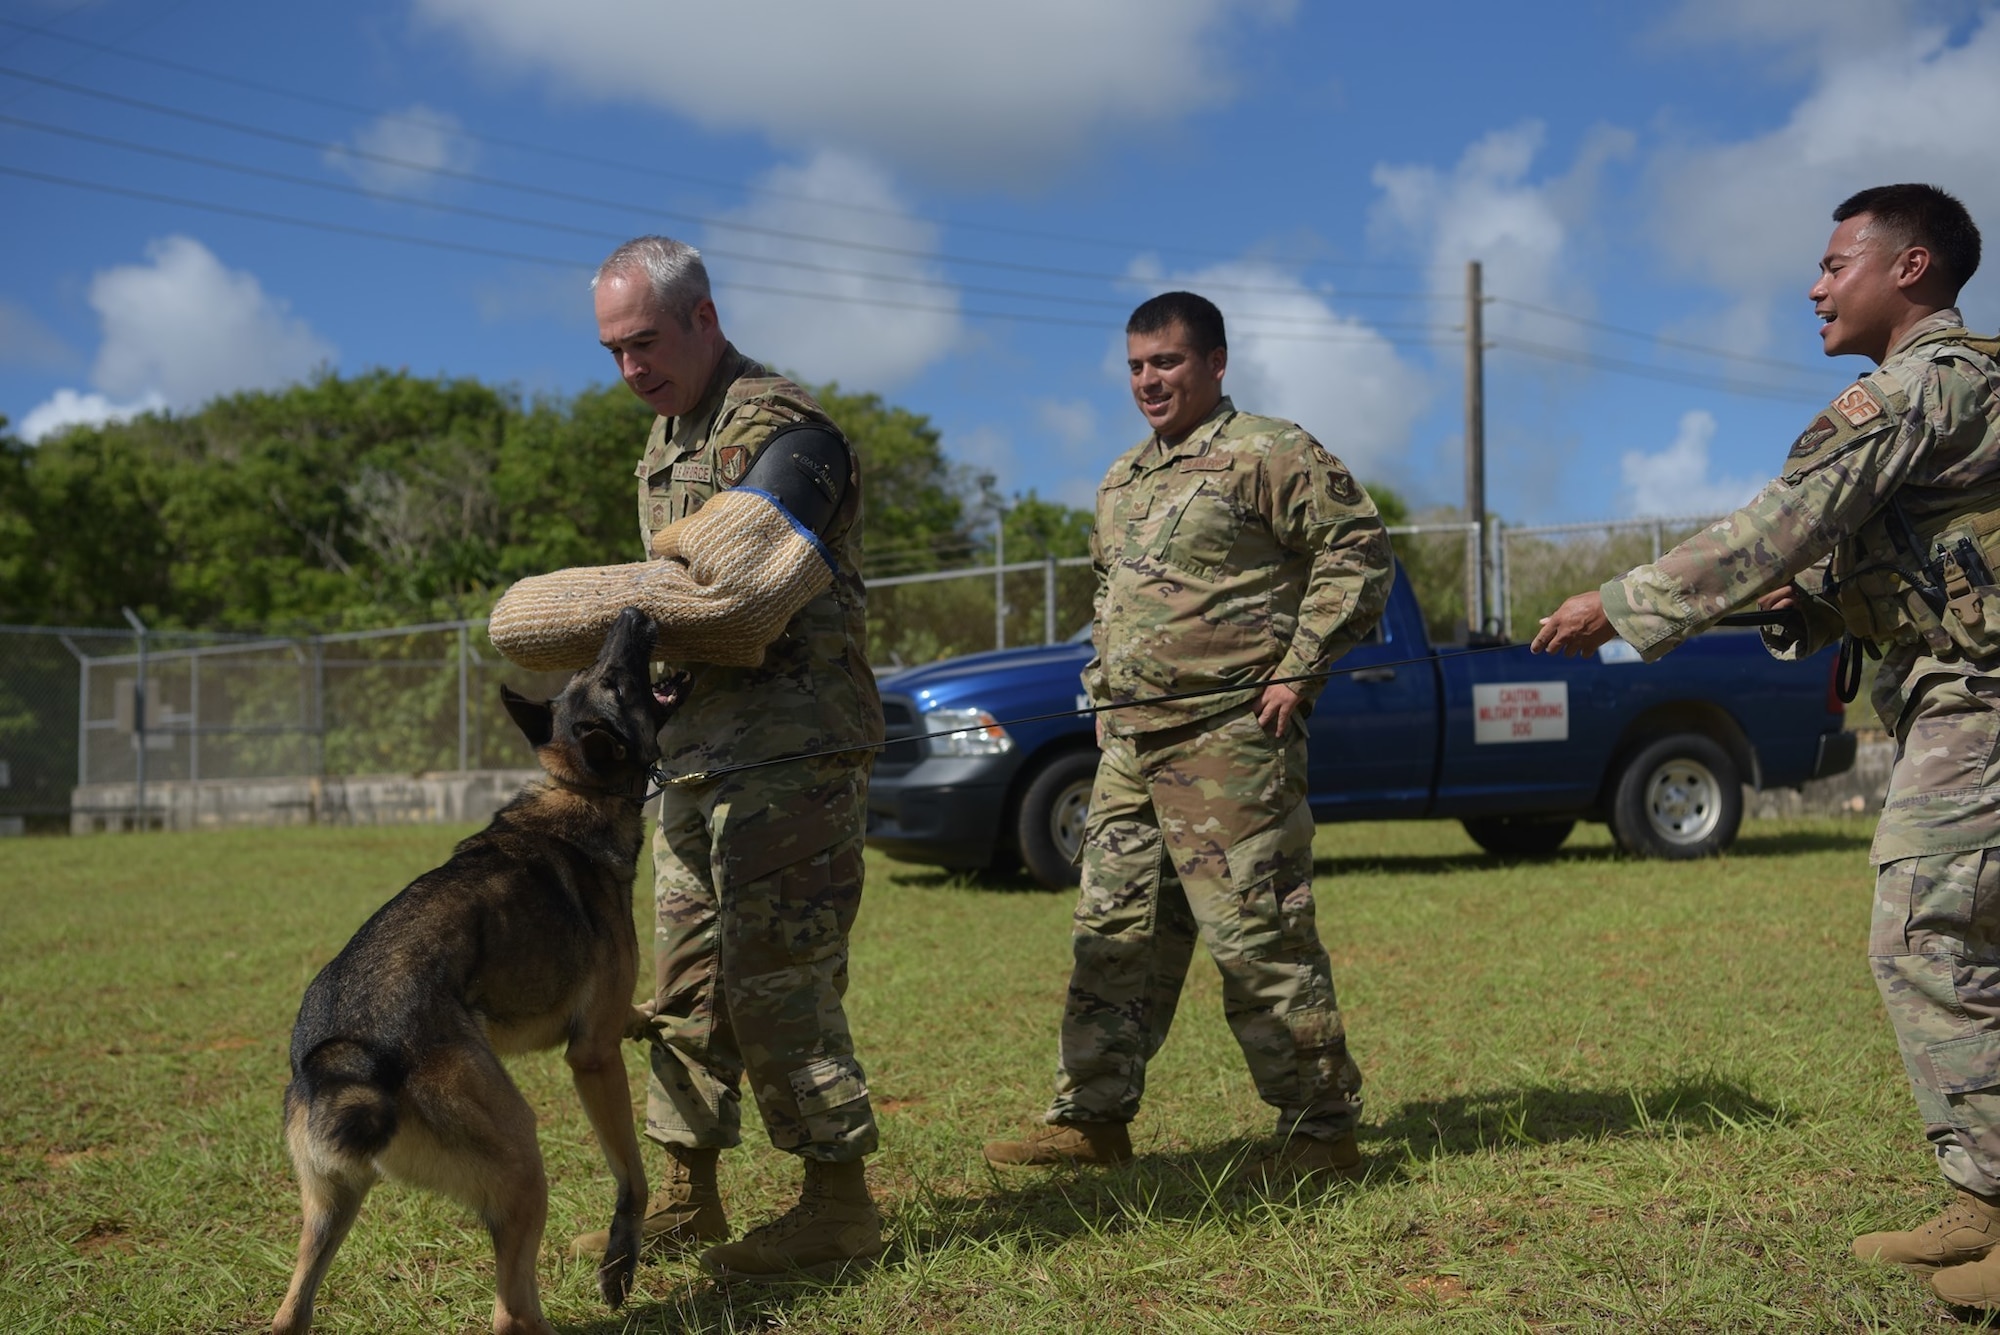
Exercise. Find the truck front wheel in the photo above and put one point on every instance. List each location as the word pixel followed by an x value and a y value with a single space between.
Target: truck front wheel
pixel 1050 826
pixel 1517 836
pixel 1677 798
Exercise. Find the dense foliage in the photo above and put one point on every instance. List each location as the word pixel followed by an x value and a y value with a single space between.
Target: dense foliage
pixel 385 498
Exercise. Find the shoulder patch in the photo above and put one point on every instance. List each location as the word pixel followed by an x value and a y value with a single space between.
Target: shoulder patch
pixel 1857 405
pixel 1819 433
pixel 732 461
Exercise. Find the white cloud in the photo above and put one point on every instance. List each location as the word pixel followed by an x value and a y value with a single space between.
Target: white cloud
pixel 186 328
pixel 872 319
pixel 1675 481
pixel 966 91
pixel 180 330
pixel 26 341
pixel 404 150
pixel 1524 233
pixel 1750 218
pixel 1292 355
pixel 983 450
pixel 67 408
pixel 1071 421
pixel 1791 28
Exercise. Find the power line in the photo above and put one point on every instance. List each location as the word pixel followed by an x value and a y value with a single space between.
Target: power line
pixel 1250 325
pixel 620 206
pixel 586 159
pixel 1620 366
pixel 377 234
pixel 517 220
pixel 1699 348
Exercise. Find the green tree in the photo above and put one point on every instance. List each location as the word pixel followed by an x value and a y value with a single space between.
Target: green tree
pixel 915 518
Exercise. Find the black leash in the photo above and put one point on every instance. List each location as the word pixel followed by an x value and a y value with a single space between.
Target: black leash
pixel 703 776
pixel 1791 622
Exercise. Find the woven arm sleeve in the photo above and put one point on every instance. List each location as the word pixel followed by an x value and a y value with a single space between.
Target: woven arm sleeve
pixel 728 579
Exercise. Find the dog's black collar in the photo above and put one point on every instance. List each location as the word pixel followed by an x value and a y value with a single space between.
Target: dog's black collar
pixel 639 798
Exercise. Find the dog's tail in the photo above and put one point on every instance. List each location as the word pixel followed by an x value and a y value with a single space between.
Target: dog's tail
pixel 345 1091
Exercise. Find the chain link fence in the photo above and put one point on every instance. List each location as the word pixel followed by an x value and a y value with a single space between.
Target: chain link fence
pixel 103 727
pixel 922 618
pixel 110 729
pixel 1535 568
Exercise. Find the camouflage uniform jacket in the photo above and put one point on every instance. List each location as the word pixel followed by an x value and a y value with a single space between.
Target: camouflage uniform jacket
pixel 814 688
pixel 1914 444
pixel 1243 553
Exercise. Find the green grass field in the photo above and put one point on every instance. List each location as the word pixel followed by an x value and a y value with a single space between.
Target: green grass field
pixel 1601 1093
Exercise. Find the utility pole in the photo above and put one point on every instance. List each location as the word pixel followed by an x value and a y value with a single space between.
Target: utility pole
pixel 139 721
pixel 1478 572
pixel 989 498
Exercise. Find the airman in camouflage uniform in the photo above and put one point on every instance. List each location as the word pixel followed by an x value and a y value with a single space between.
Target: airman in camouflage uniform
pixel 757 873
pixel 1885 527
pixel 1230 550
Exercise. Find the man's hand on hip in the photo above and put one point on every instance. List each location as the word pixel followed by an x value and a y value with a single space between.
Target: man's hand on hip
pixel 1275 708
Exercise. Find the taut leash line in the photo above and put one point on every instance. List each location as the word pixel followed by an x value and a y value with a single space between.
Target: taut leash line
pixel 703 776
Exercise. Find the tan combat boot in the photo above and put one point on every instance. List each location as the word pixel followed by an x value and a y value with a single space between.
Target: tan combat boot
pixel 834 1225
pixel 1303 1158
pixel 1967 1230
pixel 1973 1285
pixel 1100 1143
pixel 685 1211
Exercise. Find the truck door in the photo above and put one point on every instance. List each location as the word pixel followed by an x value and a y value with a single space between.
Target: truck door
pixel 1374 729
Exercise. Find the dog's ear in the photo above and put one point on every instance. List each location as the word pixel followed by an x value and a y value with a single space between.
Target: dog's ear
pixel 602 749
pixel 534 718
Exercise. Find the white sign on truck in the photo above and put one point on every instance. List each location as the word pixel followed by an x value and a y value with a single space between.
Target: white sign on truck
pixel 1520 711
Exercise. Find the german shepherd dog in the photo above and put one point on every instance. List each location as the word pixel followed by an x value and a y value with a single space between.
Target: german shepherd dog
pixel 523 940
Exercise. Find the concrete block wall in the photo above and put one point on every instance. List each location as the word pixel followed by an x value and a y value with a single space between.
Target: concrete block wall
pixel 1856 793
pixel 461 797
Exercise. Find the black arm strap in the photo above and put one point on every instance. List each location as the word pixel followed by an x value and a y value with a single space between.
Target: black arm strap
pixel 806 467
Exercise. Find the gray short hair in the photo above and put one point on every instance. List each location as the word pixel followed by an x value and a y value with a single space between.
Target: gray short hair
pixel 673 268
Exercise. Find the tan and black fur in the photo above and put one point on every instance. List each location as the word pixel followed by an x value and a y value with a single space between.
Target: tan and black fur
pixel 523 940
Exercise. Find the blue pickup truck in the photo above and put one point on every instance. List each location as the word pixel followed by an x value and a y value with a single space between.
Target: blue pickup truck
pixel 1517 746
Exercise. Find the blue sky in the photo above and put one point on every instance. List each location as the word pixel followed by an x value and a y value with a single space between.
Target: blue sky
pixel 956 205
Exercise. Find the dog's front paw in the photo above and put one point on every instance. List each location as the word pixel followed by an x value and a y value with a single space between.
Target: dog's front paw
pixel 621 1261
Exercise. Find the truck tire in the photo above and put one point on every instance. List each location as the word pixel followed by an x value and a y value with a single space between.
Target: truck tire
pixel 1680 797
pixel 1517 836
pixel 1049 829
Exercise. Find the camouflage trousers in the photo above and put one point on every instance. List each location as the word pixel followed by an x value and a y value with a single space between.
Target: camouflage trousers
pixel 757 879
pixel 1934 944
pixel 1203 830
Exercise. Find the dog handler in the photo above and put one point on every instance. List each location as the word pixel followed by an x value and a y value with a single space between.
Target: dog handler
pixel 1228 549
pixel 757 874
pixel 1885 525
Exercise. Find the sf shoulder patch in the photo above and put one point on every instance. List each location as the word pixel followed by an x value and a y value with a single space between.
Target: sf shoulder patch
pixel 1819 433
pixel 1857 405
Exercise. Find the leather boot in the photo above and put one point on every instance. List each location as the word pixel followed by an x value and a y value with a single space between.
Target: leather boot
pixel 1968 1229
pixel 1099 1143
pixel 685 1211
pixel 1974 1285
pixel 834 1225
pixel 1303 1158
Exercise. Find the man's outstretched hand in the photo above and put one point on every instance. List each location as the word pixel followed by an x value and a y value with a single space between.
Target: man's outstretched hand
pixel 1579 626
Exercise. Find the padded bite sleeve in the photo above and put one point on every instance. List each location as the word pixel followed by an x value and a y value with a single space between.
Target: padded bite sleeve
pixel 728 579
